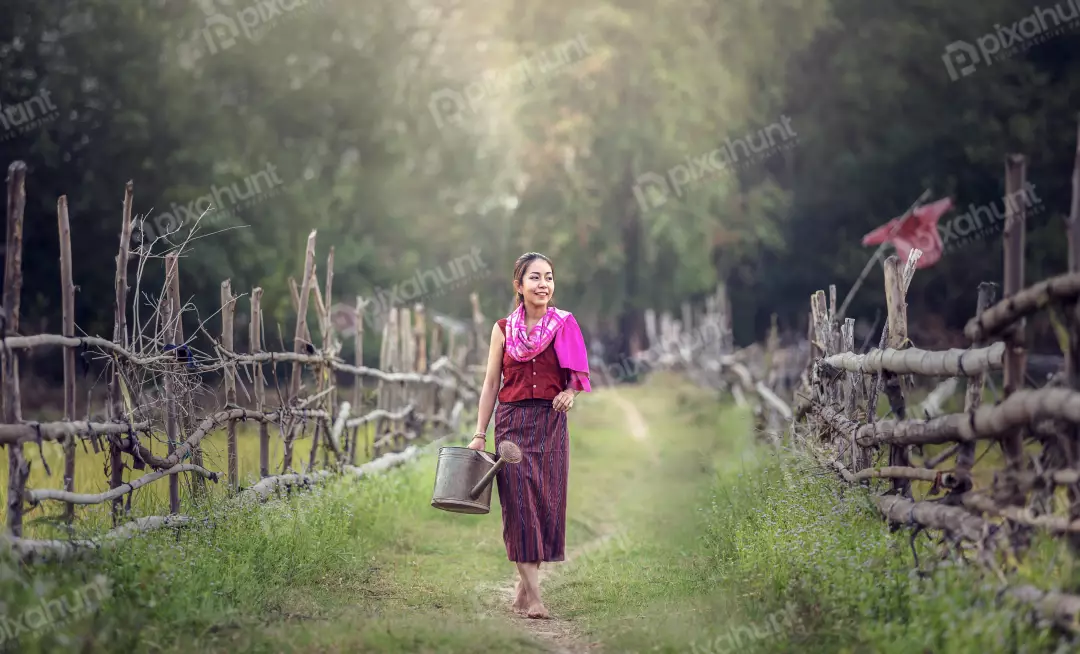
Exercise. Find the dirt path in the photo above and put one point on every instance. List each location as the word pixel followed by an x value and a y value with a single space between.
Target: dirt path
pixel 562 635
pixel 639 428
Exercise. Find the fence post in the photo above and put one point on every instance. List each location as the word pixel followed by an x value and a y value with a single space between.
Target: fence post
pixel 1015 227
pixel 897 339
pixel 114 406
pixel 406 359
pixel 358 380
pixel 18 468
pixel 423 391
pixel 67 288
pixel 851 396
pixel 255 345
pixel 329 350
pixel 965 452
pixel 300 343
pixel 1074 210
pixel 228 311
pixel 170 330
pixel 1072 360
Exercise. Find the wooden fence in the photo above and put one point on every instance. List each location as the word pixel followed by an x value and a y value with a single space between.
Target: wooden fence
pixel 988 519
pixel 154 373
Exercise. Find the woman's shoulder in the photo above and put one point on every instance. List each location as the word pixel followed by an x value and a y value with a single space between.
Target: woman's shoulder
pixel 501 323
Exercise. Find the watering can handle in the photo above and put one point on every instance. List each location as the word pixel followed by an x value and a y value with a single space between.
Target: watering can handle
pixel 486 479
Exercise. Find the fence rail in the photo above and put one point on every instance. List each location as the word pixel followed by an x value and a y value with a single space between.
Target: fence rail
pixel 153 373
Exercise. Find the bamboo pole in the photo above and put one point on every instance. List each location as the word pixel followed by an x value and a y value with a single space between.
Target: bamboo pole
pixel 931 363
pixel 228 311
pixel 71 498
pixel 999 319
pixel 18 468
pixel 299 344
pixel 897 339
pixel 114 406
pixel 1015 228
pixel 330 345
pixel 1074 209
pixel 170 320
pixel 255 345
pixel 385 390
pixel 405 360
pixel 965 454
pixel 1072 359
pixel 358 381
pixel 67 289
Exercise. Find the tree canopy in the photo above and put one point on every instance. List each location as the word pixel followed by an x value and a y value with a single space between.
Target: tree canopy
pixel 651 149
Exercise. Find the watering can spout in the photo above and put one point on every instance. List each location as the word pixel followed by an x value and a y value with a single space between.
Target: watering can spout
pixel 508 453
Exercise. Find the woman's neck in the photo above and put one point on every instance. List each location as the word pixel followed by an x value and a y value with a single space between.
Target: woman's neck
pixel 534 313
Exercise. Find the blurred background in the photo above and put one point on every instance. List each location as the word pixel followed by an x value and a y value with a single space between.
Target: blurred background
pixel 651 149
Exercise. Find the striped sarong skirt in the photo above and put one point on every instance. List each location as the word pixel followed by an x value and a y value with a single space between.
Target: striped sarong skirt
pixel 533 492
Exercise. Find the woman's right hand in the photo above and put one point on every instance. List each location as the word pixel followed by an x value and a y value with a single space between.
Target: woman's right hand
pixel 478 443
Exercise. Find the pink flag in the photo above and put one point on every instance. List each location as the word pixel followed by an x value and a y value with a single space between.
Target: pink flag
pixel 918 231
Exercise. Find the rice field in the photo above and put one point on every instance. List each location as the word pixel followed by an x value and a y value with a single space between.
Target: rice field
pixel 91 475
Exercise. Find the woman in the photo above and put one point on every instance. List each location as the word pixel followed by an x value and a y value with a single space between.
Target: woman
pixel 540 353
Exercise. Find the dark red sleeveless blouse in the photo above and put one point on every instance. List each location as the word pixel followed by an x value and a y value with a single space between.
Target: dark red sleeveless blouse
pixel 540 378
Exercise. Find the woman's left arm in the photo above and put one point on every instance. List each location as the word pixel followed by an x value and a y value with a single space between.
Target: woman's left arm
pixel 565 400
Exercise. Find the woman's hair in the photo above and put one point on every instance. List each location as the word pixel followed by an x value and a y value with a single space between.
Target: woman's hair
pixel 521 265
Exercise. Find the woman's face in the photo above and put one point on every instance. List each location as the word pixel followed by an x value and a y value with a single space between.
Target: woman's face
pixel 538 284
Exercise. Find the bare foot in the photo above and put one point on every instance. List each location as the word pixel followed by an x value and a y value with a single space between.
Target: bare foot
pixel 520 600
pixel 537 611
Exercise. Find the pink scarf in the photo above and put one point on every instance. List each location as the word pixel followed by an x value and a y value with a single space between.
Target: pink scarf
pixel 556 325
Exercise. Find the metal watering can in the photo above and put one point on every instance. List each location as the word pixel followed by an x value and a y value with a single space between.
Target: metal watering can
pixel 463 477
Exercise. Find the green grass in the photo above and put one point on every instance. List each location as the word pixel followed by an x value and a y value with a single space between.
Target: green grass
pixel 768 555
pixel 352 566
pixel 720 546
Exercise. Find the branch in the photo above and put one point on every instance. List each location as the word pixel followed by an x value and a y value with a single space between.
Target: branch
pixel 985 423
pixel 376 414
pixel 951 519
pixel 1052 524
pixel 385 462
pixel 34 550
pixel 29 432
pixel 945 363
pixel 36 496
pixel 268 486
pixel 999 317
pixel 44 340
pixel 945 479
pixel 209 423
